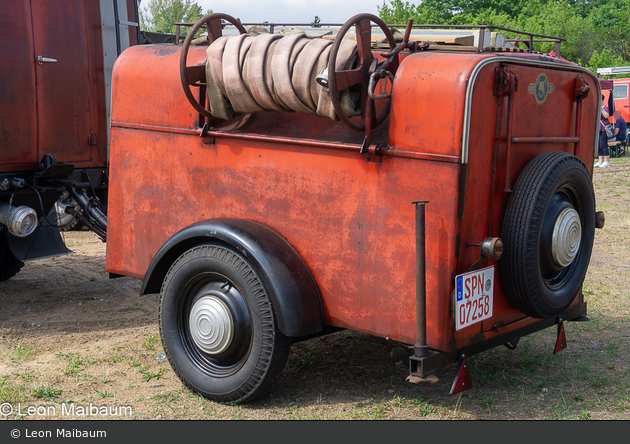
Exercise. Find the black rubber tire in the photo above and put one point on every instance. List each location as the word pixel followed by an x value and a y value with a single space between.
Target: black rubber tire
pixel 257 354
pixel 533 283
pixel 9 264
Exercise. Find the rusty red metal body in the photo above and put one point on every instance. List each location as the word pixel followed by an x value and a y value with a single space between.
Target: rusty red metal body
pixel 453 138
pixel 56 107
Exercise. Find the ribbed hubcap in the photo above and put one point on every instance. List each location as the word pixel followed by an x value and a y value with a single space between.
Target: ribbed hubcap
pixel 211 325
pixel 567 235
pixel 22 222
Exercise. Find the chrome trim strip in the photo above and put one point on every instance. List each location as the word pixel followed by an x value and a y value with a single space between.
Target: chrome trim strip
pixel 514 61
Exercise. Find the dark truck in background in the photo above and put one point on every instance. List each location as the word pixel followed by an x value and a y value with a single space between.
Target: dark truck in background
pixel 56 61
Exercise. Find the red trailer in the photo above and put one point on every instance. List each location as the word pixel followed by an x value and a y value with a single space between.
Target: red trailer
pixel 56 59
pixel 453 214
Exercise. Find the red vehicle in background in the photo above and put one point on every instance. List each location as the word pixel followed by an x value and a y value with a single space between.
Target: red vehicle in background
pixel 620 93
pixel 262 222
pixel 56 60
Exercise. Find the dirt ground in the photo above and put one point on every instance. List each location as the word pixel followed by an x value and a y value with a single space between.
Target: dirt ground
pixel 72 340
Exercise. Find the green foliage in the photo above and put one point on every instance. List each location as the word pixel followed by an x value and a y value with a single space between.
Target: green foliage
pixel 11 393
pixel 595 30
pixel 398 12
pixel 151 342
pixel 603 59
pixel 161 15
pixel 46 392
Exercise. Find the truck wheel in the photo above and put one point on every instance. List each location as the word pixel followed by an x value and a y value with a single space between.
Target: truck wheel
pixel 65 221
pixel 218 326
pixel 548 234
pixel 9 264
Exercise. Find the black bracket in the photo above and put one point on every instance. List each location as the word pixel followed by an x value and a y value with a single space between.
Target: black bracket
pixel 52 169
pixel 512 344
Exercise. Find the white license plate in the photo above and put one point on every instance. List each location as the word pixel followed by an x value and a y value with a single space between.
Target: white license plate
pixel 473 301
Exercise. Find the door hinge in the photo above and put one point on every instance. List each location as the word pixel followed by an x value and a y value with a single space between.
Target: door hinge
pixel 505 82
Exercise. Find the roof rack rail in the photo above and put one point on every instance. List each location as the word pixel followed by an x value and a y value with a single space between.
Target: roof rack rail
pixel 530 39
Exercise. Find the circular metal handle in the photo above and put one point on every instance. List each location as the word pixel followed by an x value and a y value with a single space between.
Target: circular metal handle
pixel 214 26
pixel 360 75
pixel 374 78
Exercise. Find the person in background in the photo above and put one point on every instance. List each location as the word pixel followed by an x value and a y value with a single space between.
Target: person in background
pixel 602 147
pixel 621 126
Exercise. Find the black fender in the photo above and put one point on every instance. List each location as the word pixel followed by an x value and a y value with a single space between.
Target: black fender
pixel 292 289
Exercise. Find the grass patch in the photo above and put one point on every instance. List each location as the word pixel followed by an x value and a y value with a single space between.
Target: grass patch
pixel 424 407
pixel 46 392
pixel 148 374
pixel 104 394
pixel 22 352
pixel 11 393
pixel 151 342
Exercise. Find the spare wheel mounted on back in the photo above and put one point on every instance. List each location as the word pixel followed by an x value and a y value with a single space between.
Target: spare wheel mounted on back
pixel 548 234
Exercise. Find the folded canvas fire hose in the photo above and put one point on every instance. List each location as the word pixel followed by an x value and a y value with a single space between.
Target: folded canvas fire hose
pixel 274 72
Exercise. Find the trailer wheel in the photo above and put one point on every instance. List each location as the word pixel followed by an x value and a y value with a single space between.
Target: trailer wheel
pixel 9 264
pixel 218 326
pixel 548 234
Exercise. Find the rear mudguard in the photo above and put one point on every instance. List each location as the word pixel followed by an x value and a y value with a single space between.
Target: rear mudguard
pixel 291 287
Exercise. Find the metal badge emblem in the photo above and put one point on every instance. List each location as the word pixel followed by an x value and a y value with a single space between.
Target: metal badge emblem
pixel 541 88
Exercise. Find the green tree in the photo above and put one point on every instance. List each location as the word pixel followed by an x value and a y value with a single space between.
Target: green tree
pixel 604 59
pixel 316 22
pixel 589 26
pixel 398 12
pixel 611 20
pixel 161 15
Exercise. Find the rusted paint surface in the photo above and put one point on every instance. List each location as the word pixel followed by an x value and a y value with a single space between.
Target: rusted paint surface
pixel 428 102
pixel 18 115
pixel 350 220
pixel 485 197
pixel 53 107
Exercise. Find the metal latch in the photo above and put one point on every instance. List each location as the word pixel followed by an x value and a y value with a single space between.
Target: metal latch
pixel 581 90
pixel 41 60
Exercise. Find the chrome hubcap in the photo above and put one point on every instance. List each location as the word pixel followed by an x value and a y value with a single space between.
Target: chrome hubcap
pixel 567 234
pixel 211 325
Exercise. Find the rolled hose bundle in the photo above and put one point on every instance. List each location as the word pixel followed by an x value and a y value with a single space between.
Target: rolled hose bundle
pixel 272 72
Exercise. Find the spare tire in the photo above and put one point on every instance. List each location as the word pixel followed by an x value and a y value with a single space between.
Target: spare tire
pixel 548 233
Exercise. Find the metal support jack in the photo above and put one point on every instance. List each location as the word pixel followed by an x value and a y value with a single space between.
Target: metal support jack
pixel 421 349
pixel 462 381
pixel 561 341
